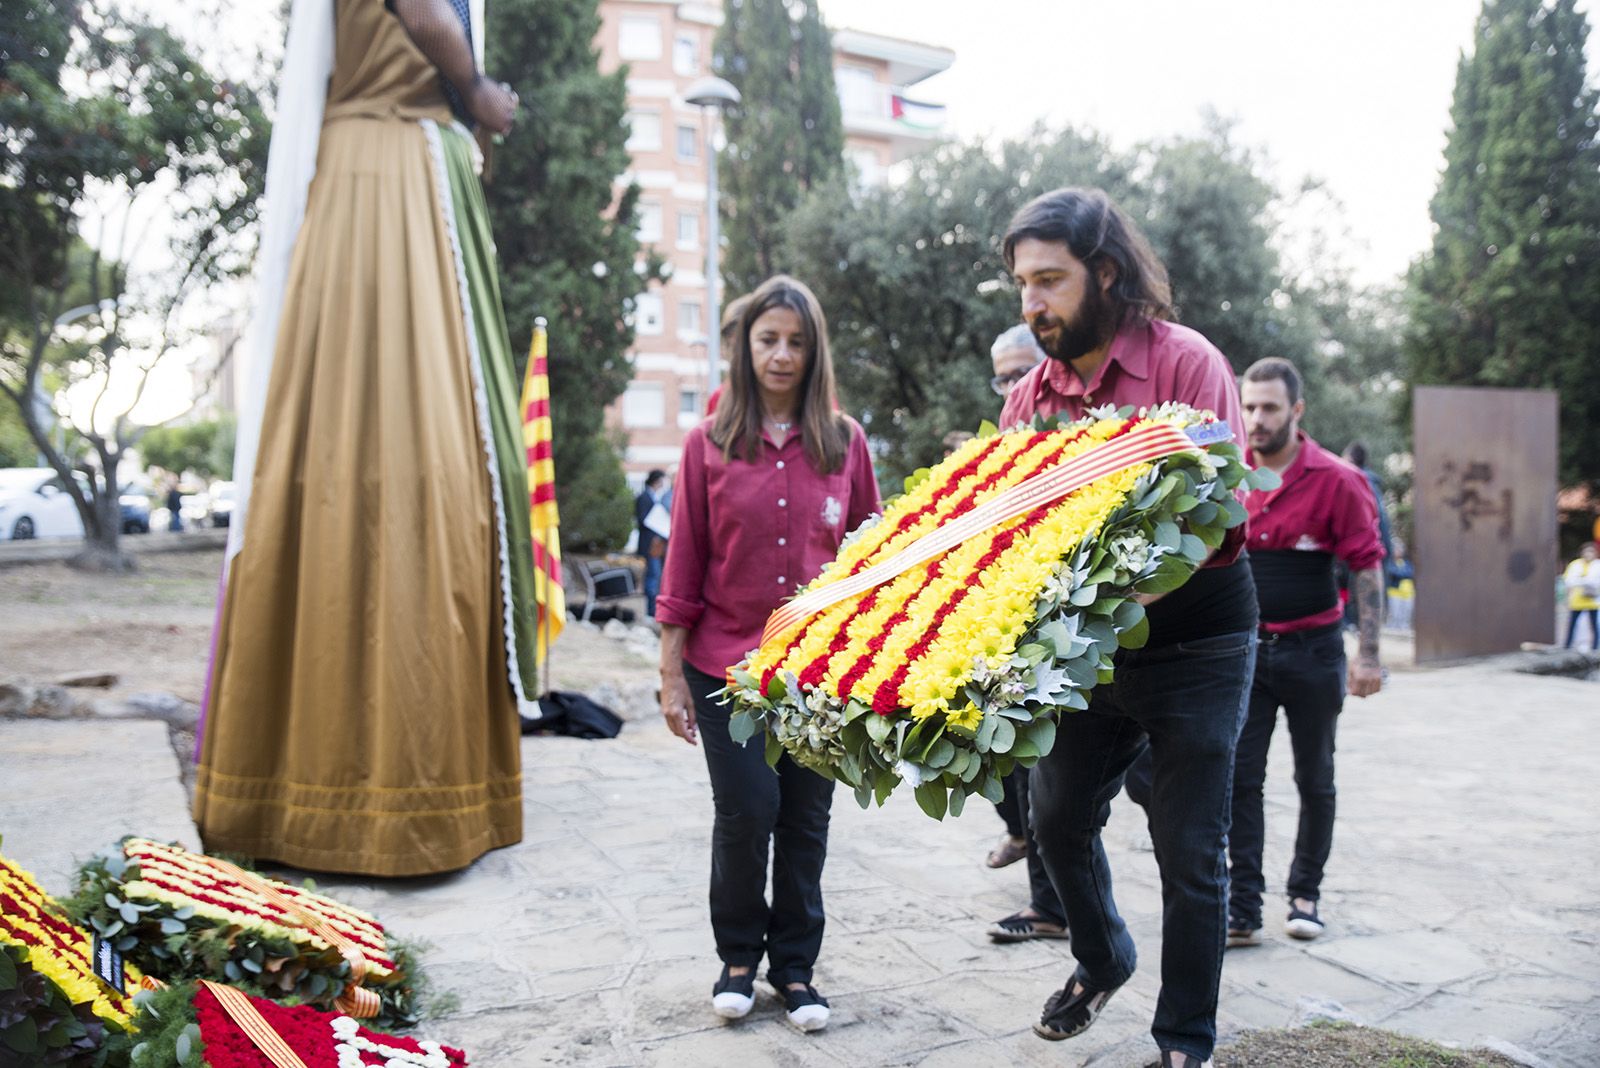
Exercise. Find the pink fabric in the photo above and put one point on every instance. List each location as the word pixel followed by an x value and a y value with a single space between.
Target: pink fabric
pixel 1324 505
pixel 1150 362
pixel 746 535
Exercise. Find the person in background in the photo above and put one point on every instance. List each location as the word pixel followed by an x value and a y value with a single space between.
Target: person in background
pixel 652 545
pixel 174 506
pixel 1323 511
pixel 1013 354
pixel 1583 594
pixel 767 489
pixel 728 340
pixel 1097 298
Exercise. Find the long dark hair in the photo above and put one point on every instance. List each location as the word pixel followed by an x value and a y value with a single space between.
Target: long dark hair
pixel 1097 232
pixel 736 428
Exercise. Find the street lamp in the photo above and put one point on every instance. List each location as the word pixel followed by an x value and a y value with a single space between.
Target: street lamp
pixel 712 94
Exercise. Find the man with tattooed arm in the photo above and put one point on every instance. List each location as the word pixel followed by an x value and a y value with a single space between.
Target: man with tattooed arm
pixel 1323 510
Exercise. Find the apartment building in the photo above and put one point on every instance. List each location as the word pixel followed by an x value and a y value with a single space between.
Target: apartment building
pixel 667 45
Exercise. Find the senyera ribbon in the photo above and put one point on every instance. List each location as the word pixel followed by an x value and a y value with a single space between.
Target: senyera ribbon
pixel 1150 442
pixel 255 1026
pixel 356 1000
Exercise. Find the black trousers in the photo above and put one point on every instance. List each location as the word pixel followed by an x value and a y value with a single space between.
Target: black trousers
pixel 761 809
pixel 1304 674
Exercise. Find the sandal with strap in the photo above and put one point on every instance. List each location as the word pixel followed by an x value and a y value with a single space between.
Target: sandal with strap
pixel 1008 852
pixel 1069 1014
pixel 1019 928
pixel 1171 1058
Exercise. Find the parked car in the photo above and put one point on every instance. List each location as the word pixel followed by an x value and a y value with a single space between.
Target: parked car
pixel 222 498
pixel 34 504
pixel 135 512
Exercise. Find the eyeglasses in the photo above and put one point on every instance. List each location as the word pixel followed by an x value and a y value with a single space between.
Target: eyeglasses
pixel 1002 384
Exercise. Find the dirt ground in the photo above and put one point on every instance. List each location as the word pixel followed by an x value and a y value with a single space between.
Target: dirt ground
pixel 152 629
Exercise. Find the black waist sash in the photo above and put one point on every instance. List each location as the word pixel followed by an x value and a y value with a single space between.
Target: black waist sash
pixel 1293 584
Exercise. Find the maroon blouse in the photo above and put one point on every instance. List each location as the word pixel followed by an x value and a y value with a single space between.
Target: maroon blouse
pixel 746 535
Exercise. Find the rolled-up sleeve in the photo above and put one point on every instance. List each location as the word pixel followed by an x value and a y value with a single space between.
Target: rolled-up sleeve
pixel 682 599
pixel 1355 523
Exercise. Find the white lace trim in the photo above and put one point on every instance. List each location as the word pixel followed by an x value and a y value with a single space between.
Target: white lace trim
pixel 485 428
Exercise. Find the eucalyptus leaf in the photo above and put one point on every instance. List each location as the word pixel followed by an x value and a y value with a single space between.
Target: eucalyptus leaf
pixel 933 798
pixel 1085 595
pixel 1135 636
pixel 1044 734
pixel 1167 534
pixel 1005 736
pixel 1193 549
pixel 991 790
pixel 879 728
pixel 940 755
pixel 742 727
pixel 958 801
pixel 864 795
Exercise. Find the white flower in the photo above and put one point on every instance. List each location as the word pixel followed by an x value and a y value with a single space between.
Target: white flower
pixel 909 773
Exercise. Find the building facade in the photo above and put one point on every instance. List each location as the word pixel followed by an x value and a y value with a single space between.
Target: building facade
pixel 667 45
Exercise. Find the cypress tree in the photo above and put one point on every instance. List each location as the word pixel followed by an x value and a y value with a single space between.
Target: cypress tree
pixel 784 138
pixel 1509 294
pixel 563 253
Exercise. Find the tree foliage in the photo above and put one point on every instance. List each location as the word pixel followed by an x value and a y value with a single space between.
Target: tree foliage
pixel 107 120
pixel 1509 294
pixel 785 137
pixel 914 286
pixel 566 252
pixel 204 447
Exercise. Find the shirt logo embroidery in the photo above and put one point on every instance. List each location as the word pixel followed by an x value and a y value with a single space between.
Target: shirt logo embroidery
pixel 1308 544
pixel 832 511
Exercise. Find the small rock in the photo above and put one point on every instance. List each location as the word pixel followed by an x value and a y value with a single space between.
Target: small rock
pixel 97 680
pixel 615 628
pixel 1311 1010
pixel 164 706
pixel 18 700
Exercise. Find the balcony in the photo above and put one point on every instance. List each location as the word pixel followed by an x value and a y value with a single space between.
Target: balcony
pixel 877 110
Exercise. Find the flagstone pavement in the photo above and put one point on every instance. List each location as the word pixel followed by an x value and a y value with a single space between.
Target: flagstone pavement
pixel 1462 896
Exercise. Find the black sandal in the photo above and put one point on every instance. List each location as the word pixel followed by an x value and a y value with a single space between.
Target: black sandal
pixel 1067 1014
pixel 734 996
pixel 1019 928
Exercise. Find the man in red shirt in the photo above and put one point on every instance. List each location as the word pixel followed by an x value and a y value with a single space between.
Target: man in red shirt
pixel 1098 301
pixel 1323 510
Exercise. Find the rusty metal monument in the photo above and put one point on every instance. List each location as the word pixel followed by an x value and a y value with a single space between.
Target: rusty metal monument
pixel 1485 519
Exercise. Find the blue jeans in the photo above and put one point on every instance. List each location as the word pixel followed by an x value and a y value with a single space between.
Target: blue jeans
pixel 652 583
pixel 1188 699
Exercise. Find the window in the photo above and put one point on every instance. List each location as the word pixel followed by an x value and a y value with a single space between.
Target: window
pixel 644 131
pixel 869 172
pixel 859 92
pixel 649 228
pixel 685 54
pixel 689 317
pixel 689 230
pixel 644 404
pixel 647 314
pixel 688 143
pixel 639 37
pixel 690 405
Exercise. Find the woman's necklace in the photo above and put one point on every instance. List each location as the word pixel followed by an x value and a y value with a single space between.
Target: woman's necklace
pixel 781 427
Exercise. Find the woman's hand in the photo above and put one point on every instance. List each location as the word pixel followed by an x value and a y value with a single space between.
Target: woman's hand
pixel 493 104
pixel 677 708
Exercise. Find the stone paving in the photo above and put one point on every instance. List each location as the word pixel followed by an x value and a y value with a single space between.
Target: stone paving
pixel 1461 896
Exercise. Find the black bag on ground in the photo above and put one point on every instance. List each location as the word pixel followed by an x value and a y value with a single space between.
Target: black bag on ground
pixel 573 715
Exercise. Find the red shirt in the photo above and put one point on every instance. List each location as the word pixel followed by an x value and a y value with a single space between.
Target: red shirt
pixel 746 535
pixel 1150 362
pixel 1323 505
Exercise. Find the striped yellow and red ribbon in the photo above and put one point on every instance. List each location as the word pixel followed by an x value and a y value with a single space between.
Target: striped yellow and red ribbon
pixel 255 1026
pixel 544 522
pixel 1151 442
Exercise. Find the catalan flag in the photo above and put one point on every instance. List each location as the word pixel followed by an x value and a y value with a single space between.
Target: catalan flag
pixel 550 599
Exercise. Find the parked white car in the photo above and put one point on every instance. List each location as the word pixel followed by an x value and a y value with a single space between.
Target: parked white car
pixel 33 504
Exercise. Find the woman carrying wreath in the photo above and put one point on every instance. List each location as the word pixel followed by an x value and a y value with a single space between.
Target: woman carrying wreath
pixel 767 488
pixel 374 634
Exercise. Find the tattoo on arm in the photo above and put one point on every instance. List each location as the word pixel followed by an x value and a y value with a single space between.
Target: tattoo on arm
pixel 1368 587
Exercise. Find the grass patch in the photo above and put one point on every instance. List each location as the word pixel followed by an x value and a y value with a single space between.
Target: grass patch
pixel 1342 1045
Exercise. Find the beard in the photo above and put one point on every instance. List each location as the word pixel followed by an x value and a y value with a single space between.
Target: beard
pixel 1089 329
pixel 1277 442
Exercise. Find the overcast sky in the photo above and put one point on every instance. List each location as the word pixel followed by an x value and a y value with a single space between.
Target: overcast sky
pixel 1356 92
